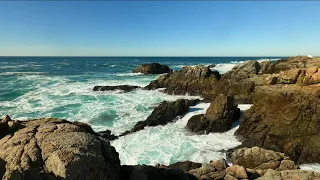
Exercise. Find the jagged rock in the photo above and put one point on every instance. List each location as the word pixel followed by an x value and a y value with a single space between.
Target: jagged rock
pixel 219 116
pixel 207 171
pixel 107 135
pixel 267 67
pixel 192 80
pixel 236 171
pixel 125 88
pixel 245 70
pixel 142 172
pixel 166 112
pixel 153 68
pixel 211 66
pixel 185 166
pixel 53 148
pixel 259 158
pixel 284 118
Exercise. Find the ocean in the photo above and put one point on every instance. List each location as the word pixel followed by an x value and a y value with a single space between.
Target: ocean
pixel 61 87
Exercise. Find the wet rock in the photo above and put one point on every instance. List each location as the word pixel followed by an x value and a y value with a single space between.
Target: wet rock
pixel 192 80
pixel 219 116
pixel 211 66
pixel 125 88
pixel 166 112
pixel 53 148
pixel 153 68
pixel 107 135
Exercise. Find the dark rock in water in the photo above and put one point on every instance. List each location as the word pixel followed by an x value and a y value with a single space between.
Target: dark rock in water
pixel 185 166
pixel 153 68
pixel 284 118
pixel 50 148
pixel 166 112
pixel 211 66
pixel 192 80
pixel 143 172
pixel 107 135
pixel 125 88
pixel 219 116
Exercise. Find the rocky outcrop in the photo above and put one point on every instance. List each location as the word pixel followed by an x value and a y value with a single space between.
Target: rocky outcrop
pixel 219 116
pixel 192 80
pixel 124 88
pixel 236 83
pixel 296 62
pixel 267 67
pixel 53 148
pixel 185 166
pixel 259 158
pixel 153 68
pixel 285 118
pixel 164 113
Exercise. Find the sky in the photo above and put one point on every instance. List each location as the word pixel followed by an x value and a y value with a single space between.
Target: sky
pixel 159 28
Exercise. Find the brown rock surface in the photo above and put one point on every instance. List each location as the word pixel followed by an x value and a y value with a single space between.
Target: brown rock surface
pixel 259 158
pixel 53 148
pixel 284 118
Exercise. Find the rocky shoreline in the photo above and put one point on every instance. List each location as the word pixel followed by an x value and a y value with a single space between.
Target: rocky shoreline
pixel 280 131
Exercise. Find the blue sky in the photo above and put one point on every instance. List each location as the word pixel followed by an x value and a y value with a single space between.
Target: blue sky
pixel 159 28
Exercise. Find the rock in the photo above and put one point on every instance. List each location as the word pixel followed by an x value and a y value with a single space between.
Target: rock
pixel 267 67
pixel 211 66
pixel 219 165
pixel 259 158
pixel 125 88
pixel 289 174
pixel 289 77
pixel 219 116
pixel 192 80
pixel 229 177
pixel 185 166
pixel 153 68
pixel 166 112
pixel 6 118
pixel 284 118
pixel 236 171
pixel 271 80
pixel 107 135
pixel 52 148
pixel 207 171
pixel 143 172
pixel 245 70
pixel 296 62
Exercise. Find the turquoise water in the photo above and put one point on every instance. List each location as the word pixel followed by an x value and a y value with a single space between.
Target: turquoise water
pixel 61 87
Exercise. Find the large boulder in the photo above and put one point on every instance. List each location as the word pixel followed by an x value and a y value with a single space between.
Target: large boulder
pixel 124 88
pixel 57 149
pixel 164 113
pixel 192 80
pixel 153 68
pixel 284 118
pixel 267 67
pixel 219 116
pixel 259 158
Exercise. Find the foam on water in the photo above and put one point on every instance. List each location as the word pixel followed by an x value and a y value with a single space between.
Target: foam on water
pixel 172 143
pixel 311 167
